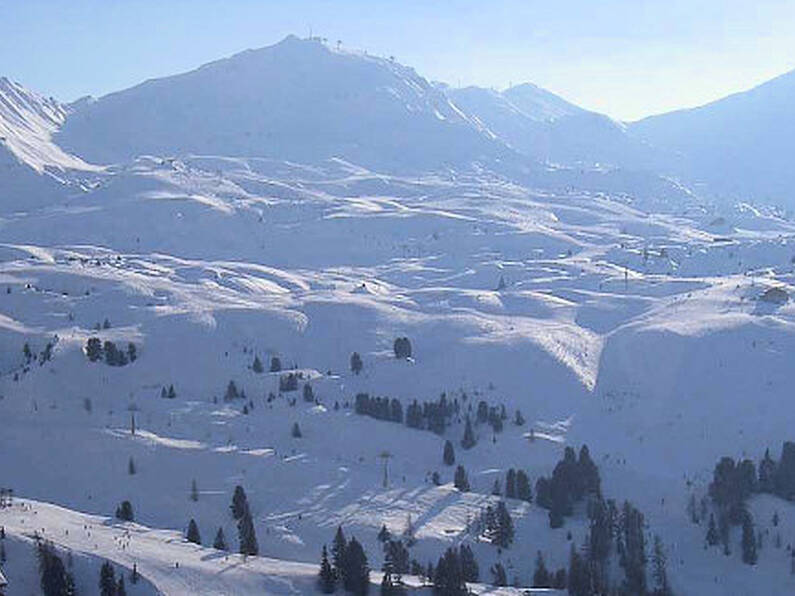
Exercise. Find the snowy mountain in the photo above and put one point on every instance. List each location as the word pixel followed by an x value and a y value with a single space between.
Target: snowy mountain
pixel 34 171
pixel 540 104
pixel 740 146
pixel 547 128
pixel 296 100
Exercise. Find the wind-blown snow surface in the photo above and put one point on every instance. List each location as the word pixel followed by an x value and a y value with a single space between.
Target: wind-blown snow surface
pixel 639 334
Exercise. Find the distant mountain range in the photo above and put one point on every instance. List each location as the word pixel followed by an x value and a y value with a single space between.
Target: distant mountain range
pixel 738 146
pixel 300 100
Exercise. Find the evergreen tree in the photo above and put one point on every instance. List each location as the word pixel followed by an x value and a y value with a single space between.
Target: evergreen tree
pixel 518 419
pixel 53 577
pixel 231 392
pixel 256 366
pixel 543 493
pixel 460 480
pixel 296 432
pixel 469 565
pixel 220 541
pixel 496 490
pixel 469 436
pixel 193 533
pixel 510 484
pixel 767 473
pixel 121 590
pixel 171 393
pixel 523 490
pixel 449 454
pixel 194 491
pixel 239 503
pixel 448 577
pixel 309 395
pixel 247 535
pixel 107 580
pixel 634 559
pixel 276 364
pixel 132 352
pixel 124 512
pixel 327 581
pixel 541 577
pixel 338 548
pixel 402 348
pixel 503 531
pixel 499 575
pixel 748 540
pixel 712 532
pixel 131 467
pixel 578 577
pixel 659 573
pixel 93 349
pixel 356 578
pixel 396 559
pixel 356 363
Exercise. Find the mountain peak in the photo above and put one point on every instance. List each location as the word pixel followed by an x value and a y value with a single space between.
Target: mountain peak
pixel 296 100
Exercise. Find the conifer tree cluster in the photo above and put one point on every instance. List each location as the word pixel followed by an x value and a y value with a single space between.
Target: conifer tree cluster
pixel 348 569
pixel 380 408
pixel 733 482
pixel 572 479
pixel 448 576
pixel 53 577
pixel 289 382
pixel 517 485
pixel 113 356
pixel 493 415
pixel 544 578
pixel 620 533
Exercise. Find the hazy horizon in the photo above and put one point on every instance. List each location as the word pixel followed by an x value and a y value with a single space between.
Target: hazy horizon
pixel 627 60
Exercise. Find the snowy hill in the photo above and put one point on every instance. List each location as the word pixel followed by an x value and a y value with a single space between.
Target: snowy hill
pixel 297 100
pixel 740 145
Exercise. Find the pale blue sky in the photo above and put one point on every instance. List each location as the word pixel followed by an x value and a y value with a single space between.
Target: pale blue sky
pixel 627 58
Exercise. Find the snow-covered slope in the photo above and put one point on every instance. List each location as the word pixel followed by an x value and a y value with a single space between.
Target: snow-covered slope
pixel 592 317
pixel 27 123
pixel 34 171
pixel 540 104
pixel 740 146
pixel 545 127
pixel 611 307
pixel 298 100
